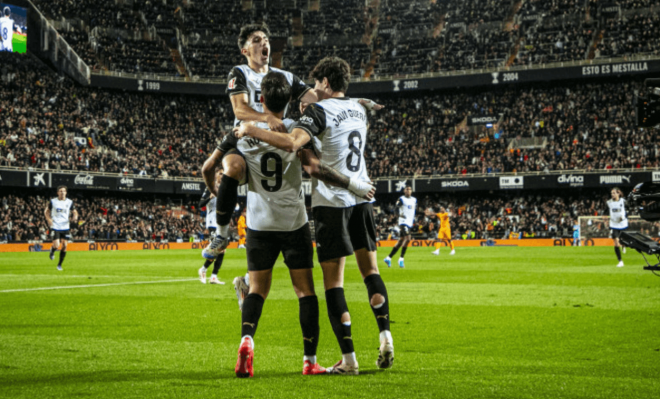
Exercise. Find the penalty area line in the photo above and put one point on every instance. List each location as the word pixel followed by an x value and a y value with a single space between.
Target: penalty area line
pixel 96 285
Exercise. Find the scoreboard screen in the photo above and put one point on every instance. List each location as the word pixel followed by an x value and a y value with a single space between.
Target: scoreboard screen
pixel 13 28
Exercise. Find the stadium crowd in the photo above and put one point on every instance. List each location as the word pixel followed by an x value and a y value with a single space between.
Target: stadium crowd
pixel 411 37
pixel 105 217
pixel 50 123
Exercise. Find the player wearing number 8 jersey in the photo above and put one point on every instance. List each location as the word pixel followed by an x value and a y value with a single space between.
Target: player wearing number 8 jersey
pixel 337 127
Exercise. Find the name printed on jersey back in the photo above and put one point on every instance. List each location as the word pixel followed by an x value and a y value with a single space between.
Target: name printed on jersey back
pixel 345 115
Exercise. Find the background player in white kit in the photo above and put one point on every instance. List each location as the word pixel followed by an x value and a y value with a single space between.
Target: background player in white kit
pixel 58 212
pixel 6 30
pixel 209 200
pixel 407 206
pixel 344 222
pixel 618 220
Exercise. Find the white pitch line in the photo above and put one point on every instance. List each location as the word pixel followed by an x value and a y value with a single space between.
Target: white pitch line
pixel 96 285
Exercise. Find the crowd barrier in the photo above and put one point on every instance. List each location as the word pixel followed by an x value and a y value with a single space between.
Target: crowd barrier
pixel 156 246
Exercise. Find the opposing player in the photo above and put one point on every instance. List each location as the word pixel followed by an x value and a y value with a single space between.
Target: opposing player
pixel 618 220
pixel 58 212
pixel 209 201
pixel 241 226
pixel 444 231
pixel 6 30
pixel 407 206
pixel 344 222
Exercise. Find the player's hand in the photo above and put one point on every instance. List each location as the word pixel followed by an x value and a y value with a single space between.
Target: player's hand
pixel 275 124
pixel 243 130
pixel 361 188
pixel 370 105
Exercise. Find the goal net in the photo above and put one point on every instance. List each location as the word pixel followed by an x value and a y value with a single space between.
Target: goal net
pixel 599 226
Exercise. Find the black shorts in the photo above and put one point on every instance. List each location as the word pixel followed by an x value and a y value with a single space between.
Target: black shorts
pixel 237 152
pixel 263 248
pixel 341 231
pixel 404 230
pixel 616 233
pixel 60 234
pixel 211 229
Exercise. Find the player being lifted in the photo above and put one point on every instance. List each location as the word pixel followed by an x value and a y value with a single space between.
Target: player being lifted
pixel 344 222
pixel 243 87
pixel 618 220
pixel 444 230
pixel 209 201
pixel 58 212
pixel 407 205
pixel 276 222
pixel 6 30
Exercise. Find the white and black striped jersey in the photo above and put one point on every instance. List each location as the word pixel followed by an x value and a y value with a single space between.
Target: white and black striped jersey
pixel 275 201
pixel 618 217
pixel 60 212
pixel 242 79
pixel 338 129
pixel 407 207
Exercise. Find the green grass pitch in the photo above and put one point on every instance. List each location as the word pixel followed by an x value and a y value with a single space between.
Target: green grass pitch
pixel 19 43
pixel 485 323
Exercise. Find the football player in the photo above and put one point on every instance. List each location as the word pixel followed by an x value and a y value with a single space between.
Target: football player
pixel 58 213
pixel 407 206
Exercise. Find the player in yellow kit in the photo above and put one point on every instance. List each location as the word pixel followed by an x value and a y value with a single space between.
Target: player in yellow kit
pixel 444 232
pixel 242 232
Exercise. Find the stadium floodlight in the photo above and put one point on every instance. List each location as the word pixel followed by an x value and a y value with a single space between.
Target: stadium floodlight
pixel 645 200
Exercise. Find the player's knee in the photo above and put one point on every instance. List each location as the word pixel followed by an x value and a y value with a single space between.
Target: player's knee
pixel 234 167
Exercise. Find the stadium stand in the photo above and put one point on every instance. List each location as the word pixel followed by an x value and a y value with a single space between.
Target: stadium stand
pixel 411 137
pixel 385 37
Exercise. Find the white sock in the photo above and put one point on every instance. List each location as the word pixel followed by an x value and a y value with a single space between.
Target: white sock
pixel 214 275
pixel 223 231
pixel 247 279
pixel 249 338
pixel 311 359
pixel 400 259
pixel 386 335
pixel 388 258
pixel 349 358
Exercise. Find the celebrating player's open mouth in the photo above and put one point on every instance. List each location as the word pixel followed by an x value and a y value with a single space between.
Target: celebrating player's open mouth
pixel 264 54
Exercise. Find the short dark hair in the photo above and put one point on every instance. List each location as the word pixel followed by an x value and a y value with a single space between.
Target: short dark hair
pixel 276 91
pixel 248 30
pixel 336 70
pixel 7 11
pixel 64 187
